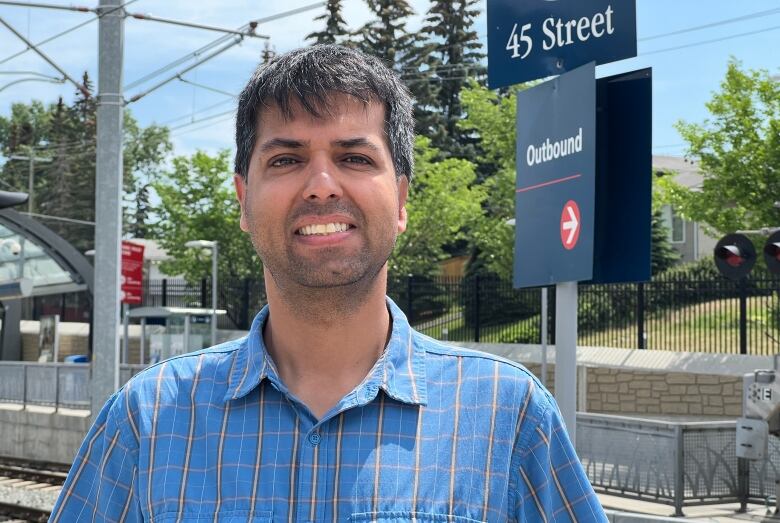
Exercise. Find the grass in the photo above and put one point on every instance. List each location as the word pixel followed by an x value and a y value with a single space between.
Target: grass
pixel 704 327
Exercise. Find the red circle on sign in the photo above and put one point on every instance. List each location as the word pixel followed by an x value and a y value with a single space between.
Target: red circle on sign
pixel 570 225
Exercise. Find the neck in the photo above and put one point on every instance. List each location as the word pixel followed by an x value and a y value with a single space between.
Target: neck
pixel 327 338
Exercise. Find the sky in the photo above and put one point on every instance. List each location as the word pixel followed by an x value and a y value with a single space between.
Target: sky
pixel 683 79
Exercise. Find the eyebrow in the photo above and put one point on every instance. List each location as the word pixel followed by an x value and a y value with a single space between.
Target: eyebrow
pixel 281 143
pixel 286 143
pixel 352 143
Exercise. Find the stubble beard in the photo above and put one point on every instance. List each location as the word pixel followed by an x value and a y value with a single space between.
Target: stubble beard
pixel 314 288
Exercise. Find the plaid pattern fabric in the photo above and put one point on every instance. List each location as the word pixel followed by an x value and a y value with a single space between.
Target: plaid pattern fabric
pixel 434 433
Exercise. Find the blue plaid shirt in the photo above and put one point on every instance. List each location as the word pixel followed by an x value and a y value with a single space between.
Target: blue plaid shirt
pixel 433 433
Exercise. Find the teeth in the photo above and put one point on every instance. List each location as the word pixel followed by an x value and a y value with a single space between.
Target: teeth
pixel 322 228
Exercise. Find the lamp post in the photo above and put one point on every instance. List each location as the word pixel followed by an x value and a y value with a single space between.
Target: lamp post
pixel 213 247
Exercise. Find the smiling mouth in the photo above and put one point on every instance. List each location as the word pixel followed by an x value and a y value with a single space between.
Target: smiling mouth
pixel 323 229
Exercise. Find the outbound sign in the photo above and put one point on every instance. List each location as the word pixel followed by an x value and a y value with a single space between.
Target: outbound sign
pixel 556 172
pixel 530 39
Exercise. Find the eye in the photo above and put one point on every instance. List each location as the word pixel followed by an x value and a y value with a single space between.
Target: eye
pixel 284 161
pixel 359 160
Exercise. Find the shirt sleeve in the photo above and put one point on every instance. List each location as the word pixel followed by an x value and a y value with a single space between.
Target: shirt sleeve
pixel 100 486
pixel 551 483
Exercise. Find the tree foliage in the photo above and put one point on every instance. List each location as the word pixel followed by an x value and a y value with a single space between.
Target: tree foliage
pixel 457 58
pixel 197 202
pixel 738 150
pixel 335 30
pixel 444 201
pixel 62 139
pixel 491 117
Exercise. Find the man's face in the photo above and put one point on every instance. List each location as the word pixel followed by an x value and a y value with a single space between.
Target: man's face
pixel 322 202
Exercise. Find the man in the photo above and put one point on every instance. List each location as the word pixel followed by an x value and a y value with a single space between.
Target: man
pixel 332 408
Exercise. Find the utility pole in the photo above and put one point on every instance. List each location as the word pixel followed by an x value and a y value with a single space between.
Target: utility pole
pixel 31 174
pixel 108 211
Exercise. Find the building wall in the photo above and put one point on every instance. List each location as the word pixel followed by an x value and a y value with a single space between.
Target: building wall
pixel 633 382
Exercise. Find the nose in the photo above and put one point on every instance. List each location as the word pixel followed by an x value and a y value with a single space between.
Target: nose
pixel 322 182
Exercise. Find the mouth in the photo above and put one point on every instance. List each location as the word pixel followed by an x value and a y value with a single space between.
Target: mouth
pixel 323 229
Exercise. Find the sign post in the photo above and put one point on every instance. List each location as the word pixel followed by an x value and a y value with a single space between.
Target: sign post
pixel 583 155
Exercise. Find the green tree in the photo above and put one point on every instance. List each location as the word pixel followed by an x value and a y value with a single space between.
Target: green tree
pixel 662 254
pixel 738 150
pixel 335 30
pixel 386 36
pixel 197 202
pixel 490 115
pixel 457 53
pixel 65 135
pixel 443 203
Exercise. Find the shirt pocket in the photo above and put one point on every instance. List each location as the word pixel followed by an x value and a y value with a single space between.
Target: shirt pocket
pixel 227 516
pixel 406 517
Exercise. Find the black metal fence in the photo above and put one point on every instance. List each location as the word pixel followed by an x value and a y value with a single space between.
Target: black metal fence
pixel 672 313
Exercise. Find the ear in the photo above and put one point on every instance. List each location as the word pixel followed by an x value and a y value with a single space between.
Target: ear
pixel 240 185
pixel 403 194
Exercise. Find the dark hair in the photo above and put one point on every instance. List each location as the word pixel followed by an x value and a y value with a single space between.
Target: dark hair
pixel 311 76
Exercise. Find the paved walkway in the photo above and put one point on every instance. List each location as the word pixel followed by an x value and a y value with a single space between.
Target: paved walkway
pixel 708 513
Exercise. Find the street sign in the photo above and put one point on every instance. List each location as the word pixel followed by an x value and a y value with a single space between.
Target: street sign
pixel 530 39
pixel 555 191
pixel 132 272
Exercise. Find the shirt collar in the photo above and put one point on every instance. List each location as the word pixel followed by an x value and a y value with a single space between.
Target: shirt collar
pixel 400 371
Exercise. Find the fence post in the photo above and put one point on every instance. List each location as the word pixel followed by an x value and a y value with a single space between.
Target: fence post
pixel 56 387
pixel 640 315
pixel 476 308
pixel 203 287
pixel 24 386
pixel 165 292
pixel 245 301
pixel 409 297
pixel 679 471
pixel 743 483
pixel 743 341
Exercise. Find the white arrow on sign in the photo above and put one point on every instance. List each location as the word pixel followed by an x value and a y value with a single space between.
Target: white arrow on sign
pixel 571 225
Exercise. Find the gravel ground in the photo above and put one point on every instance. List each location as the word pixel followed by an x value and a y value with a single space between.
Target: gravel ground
pixel 29 498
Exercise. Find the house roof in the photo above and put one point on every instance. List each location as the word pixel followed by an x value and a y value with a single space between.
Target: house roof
pixel 687 172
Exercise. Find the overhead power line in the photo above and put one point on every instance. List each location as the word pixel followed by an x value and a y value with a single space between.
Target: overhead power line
pixel 750 16
pixel 712 41
pixel 43 55
pixel 66 31
pixel 236 41
pixel 206 87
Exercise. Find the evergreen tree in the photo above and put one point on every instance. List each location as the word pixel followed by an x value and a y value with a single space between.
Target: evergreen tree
pixel 335 27
pixel 662 254
pixel 268 53
pixel 457 51
pixel 64 189
pixel 386 36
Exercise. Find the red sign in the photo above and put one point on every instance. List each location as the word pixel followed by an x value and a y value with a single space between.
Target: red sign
pixel 132 272
pixel 570 225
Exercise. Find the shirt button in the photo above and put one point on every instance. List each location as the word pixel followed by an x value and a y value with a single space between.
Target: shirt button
pixel 315 438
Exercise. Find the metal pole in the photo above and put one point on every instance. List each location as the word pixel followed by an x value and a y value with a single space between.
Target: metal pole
pixel 30 183
pixel 566 354
pixel 108 211
pixel 214 252
pixel 544 336
pixel 743 341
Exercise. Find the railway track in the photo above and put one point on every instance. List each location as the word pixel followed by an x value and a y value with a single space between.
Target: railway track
pixel 11 512
pixel 28 475
pixel 33 471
